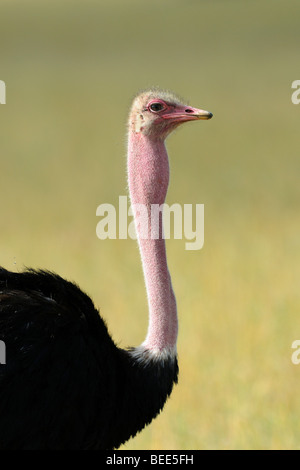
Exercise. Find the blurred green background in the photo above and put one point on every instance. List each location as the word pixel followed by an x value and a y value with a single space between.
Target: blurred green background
pixel 71 69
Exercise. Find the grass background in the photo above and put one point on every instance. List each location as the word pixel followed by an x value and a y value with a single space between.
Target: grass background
pixel 71 69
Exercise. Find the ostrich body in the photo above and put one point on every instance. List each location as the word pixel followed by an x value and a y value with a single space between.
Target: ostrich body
pixel 65 384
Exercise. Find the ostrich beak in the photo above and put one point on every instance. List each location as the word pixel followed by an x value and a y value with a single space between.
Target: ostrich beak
pixel 199 113
pixel 187 113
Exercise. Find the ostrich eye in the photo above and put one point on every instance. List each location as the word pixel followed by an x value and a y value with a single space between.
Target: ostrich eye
pixel 156 107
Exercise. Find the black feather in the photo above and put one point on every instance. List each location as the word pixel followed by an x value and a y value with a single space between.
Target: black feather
pixel 65 384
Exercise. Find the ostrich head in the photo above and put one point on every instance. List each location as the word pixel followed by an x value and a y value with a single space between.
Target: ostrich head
pixel 156 113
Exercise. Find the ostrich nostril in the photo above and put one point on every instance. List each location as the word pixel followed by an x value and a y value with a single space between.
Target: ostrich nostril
pixel 188 110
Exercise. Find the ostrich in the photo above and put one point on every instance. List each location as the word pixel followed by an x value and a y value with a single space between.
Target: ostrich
pixel 65 384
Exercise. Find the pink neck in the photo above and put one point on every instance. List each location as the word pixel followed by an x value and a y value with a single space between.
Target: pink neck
pixel 148 178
